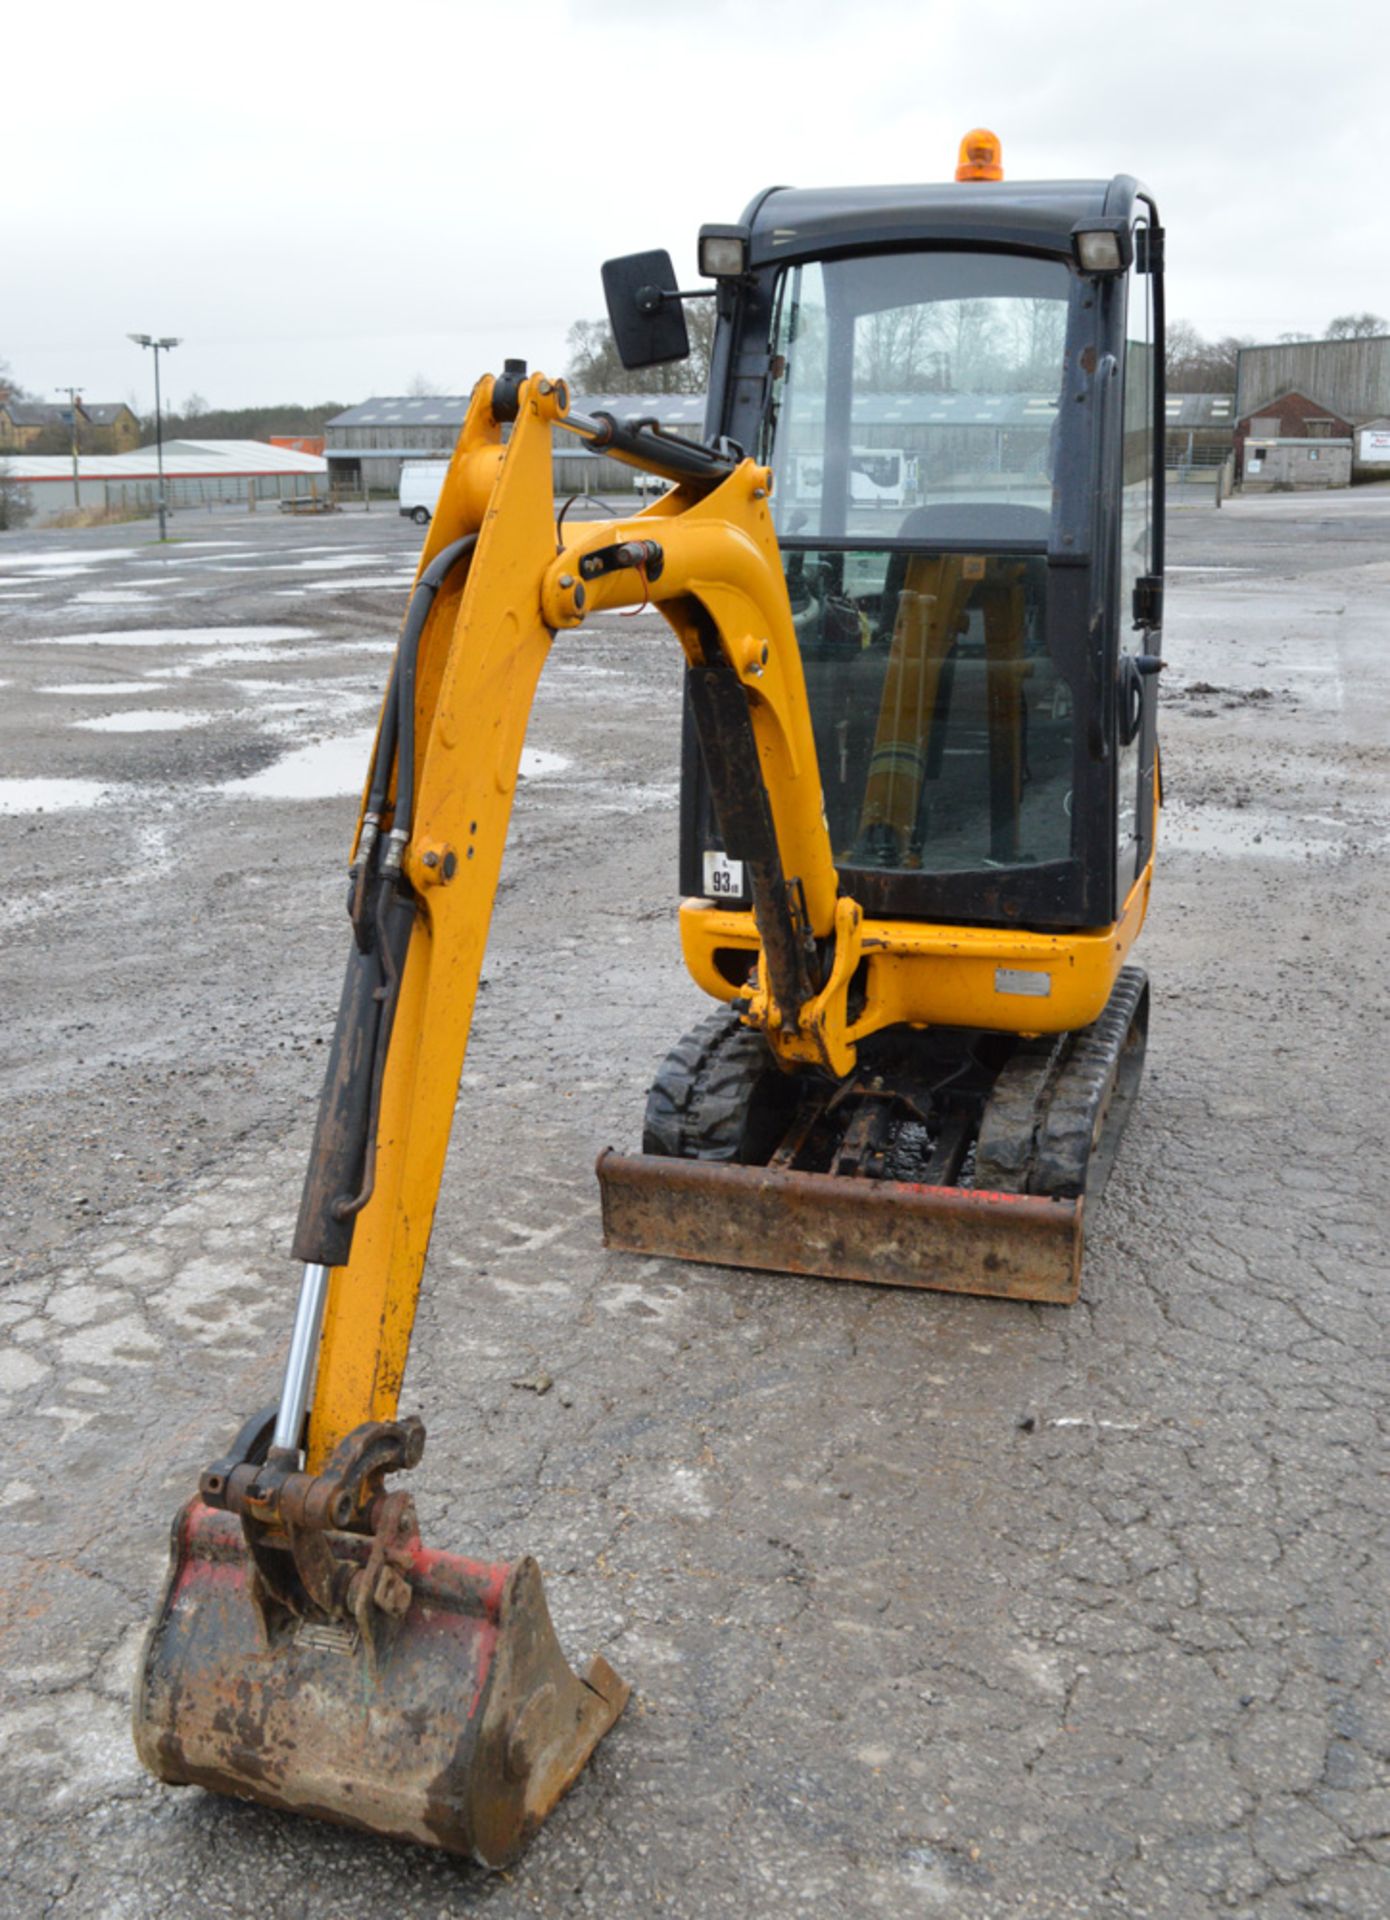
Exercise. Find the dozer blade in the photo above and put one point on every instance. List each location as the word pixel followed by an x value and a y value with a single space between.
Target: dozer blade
pixel 458 1724
pixel 889 1232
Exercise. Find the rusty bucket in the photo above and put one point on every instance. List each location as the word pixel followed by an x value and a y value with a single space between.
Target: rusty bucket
pixel 454 1720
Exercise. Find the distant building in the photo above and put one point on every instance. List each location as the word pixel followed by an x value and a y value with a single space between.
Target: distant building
pixel 1285 420
pixel 1350 377
pixel 367 445
pixel 1200 429
pixel 1312 389
pixel 1371 454
pixel 196 473
pixel 106 426
pixel 1280 466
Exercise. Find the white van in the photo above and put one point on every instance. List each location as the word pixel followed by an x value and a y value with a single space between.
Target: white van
pixel 420 484
pixel 877 477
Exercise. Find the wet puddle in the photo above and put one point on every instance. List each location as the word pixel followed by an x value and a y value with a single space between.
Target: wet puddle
pixel 63 562
pixel 1242 833
pixel 397 582
pixel 536 763
pixel 49 573
pixel 338 563
pixel 318 772
pixel 50 796
pixel 113 597
pixel 144 720
pixel 216 658
pixel 113 687
pixel 173 637
pixel 332 767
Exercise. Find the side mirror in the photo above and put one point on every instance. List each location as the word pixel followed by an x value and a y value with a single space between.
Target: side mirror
pixel 648 321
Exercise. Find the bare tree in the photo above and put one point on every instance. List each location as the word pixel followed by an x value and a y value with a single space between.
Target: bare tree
pixel 1182 343
pixel 594 365
pixel 15 504
pixel 1197 365
pixel 895 351
pixel 1357 326
pixel 421 387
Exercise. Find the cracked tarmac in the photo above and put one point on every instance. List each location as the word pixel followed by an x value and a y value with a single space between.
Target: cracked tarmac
pixel 932 1606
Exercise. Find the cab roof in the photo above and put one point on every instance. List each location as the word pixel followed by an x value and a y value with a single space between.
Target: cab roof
pixel 789 223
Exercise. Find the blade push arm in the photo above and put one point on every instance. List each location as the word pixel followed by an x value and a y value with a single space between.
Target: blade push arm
pixel 707 556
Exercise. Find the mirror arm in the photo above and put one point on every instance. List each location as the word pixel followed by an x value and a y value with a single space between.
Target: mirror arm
pixel 649 299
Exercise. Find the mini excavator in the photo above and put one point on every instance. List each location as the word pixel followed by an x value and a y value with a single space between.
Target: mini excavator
pixel 915 568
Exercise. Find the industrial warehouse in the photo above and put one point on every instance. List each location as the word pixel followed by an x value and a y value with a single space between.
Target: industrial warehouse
pixel 197 473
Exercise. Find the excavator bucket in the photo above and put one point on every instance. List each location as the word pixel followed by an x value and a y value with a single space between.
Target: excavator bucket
pixel 443 1713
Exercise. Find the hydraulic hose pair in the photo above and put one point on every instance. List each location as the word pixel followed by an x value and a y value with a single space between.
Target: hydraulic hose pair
pixel 342 1163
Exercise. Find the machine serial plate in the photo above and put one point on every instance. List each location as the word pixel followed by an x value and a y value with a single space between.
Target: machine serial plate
pixel 1019 980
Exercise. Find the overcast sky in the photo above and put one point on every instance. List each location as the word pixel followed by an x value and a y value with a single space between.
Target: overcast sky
pixel 327 200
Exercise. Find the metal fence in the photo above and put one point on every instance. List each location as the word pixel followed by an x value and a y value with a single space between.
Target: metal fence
pixel 1200 482
pixel 219 489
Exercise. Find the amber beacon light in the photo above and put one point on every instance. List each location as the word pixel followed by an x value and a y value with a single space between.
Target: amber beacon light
pixel 981 156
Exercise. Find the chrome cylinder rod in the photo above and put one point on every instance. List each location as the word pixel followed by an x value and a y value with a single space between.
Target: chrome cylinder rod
pixel 304 1348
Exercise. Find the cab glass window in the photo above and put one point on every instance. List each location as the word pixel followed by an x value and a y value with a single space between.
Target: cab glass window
pixel 943 729
pixel 915 395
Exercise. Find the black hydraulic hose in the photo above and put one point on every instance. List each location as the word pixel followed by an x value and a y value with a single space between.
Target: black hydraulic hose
pixel 409 646
pixel 403 675
pixel 384 751
pixel 342 1166
pixel 346 1205
pixel 342 1163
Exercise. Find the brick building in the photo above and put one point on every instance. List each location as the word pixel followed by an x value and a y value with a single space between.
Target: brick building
pixel 103 426
pixel 1302 390
pixel 1290 417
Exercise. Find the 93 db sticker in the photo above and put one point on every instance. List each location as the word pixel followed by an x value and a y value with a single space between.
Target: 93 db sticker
pixel 723 876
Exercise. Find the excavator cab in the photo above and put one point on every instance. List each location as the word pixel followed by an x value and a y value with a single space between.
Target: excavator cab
pixel 915 572
pixel 964 426
pixel 958 391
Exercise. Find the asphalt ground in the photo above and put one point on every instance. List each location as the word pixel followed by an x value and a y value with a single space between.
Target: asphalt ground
pixel 931 1605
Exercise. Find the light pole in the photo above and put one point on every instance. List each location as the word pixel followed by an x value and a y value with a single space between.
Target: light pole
pixel 147 340
pixel 75 403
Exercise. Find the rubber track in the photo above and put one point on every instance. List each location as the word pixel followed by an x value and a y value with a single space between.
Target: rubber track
pixel 1083 1090
pixel 698 1103
pixel 1008 1138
